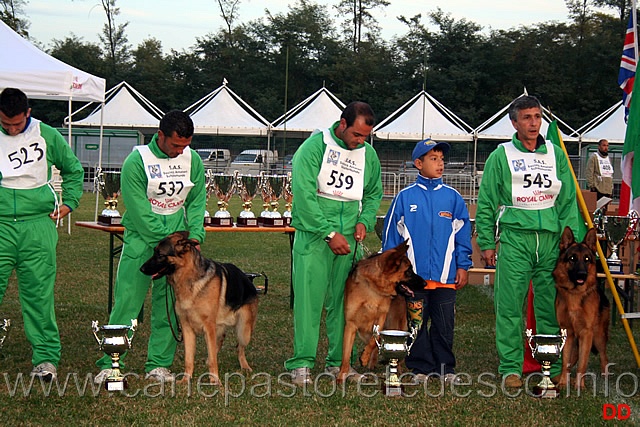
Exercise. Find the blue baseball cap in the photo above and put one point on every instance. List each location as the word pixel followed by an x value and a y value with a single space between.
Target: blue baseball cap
pixel 423 147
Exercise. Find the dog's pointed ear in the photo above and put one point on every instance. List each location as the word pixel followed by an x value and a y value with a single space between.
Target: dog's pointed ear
pixel 184 234
pixel 403 247
pixel 590 239
pixel 567 238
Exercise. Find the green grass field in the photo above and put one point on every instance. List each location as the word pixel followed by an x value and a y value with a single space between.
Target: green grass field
pixel 261 399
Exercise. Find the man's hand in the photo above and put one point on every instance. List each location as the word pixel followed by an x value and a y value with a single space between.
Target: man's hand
pixel 61 212
pixel 360 233
pixel 339 245
pixel 489 257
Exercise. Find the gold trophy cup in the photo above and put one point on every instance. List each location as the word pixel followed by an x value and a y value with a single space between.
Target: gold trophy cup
pixel 248 188
pixel 287 195
pixel 224 186
pixel 108 184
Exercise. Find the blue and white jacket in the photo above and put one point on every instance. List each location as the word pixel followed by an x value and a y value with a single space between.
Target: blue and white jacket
pixel 435 219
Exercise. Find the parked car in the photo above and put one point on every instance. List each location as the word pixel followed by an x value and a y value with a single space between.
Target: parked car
pixel 252 162
pixel 284 166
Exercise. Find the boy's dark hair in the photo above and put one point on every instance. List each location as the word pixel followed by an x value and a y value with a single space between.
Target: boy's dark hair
pixel 177 121
pixel 523 103
pixel 358 108
pixel 13 102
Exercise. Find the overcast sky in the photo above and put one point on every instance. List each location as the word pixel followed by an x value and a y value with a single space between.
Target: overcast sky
pixel 177 25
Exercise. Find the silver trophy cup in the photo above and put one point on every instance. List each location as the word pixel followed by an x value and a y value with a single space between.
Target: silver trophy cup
pixel 277 183
pixel 224 186
pixel 209 189
pixel 248 186
pixel 616 229
pixel 107 183
pixel 114 340
pixel 546 349
pixel 393 346
pixel 5 326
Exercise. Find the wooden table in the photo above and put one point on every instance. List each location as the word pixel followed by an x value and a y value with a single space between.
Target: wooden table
pixel 117 231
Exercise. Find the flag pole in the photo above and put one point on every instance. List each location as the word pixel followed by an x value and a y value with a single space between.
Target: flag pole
pixel 587 218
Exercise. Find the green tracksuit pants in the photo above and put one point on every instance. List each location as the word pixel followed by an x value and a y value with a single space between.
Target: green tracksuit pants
pixel 29 247
pixel 129 294
pixel 318 280
pixel 523 257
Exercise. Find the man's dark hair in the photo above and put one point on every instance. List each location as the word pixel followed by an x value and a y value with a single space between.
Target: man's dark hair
pixel 358 108
pixel 177 121
pixel 13 102
pixel 523 103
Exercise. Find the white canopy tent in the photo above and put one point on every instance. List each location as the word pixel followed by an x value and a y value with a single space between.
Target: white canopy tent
pixel 222 112
pixel 41 76
pixel 124 107
pixel 318 111
pixel 499 126
pixel 609 125
pixel 423 117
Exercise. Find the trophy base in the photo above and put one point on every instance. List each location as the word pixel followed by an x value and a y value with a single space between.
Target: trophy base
pixel 287 221
pixel 115 384
pixel 615 267
pixel 545 392
pixel 247 222
pixel 272 222
pixel 109 220
pixel 392 390
pixel 221 222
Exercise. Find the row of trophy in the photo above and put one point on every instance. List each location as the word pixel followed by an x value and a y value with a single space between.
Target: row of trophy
pixel 270 187
pixel 615 229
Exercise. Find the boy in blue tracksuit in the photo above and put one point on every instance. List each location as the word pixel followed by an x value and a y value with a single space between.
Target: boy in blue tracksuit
pixel 435 219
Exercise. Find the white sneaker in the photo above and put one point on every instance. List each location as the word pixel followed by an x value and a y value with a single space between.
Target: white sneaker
pixel 418 379
pixel 301 376
pixel 160 374
pixel 46 371
pixel 102 376
pixel 352 375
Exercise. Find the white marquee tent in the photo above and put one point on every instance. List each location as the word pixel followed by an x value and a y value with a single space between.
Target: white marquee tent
pixel 423 117
pixel 318 111
pixel 499 126
pixel 40 76
pixel 124 107
pixel 609 125
pixel 222 112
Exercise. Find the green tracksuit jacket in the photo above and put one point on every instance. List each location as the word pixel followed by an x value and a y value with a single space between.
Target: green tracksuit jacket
pixel 143 230
pixel 319 275
pixel 28 237
pixel 527 252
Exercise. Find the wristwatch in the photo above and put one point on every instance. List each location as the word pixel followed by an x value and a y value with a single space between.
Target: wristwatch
pixel 329 236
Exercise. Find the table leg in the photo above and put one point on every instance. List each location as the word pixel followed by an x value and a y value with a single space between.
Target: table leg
pixel 291 237
pixel 114 252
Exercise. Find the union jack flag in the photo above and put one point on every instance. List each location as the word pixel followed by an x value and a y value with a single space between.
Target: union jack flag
pixel 627 74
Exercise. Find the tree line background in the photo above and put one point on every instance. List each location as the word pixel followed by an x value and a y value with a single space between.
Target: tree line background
pixel 571 66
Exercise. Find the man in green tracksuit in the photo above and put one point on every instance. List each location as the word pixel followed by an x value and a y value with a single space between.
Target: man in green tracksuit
pixel 163 190
pixel 526 200
pixel 29 210
pixel 337 188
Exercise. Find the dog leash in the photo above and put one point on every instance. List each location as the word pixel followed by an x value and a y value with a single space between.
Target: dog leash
pixel 178 337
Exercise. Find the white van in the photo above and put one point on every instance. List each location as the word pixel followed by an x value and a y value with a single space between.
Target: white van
pixel 252 162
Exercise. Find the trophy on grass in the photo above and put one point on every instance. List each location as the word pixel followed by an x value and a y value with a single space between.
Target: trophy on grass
pixel 247 189
pixel 107 183
pixel 616 229
pixel 394 345
pixel 546 349
pixel 287 195
pixel 5 325
pixel 114 340
pixel 209 188
pixel 224 186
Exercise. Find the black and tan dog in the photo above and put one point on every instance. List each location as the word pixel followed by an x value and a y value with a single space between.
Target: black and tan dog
pixel 210 297
pixel 581 306
pixel 374 296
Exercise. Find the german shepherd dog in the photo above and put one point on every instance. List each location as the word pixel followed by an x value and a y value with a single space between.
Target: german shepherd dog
pixel 210 297
pixel 372 285
pixel 581 306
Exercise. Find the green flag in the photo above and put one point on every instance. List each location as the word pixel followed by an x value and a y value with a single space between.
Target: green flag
pixel 553 135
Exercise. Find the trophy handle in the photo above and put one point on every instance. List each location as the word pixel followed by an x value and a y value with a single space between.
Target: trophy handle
pixel 376 334
pixel 413 336
pixel 95 329
pixel 563 334
pixel 134 325
pixel 529 333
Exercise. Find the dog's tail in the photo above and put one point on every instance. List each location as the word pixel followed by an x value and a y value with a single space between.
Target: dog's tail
pixel 240 289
